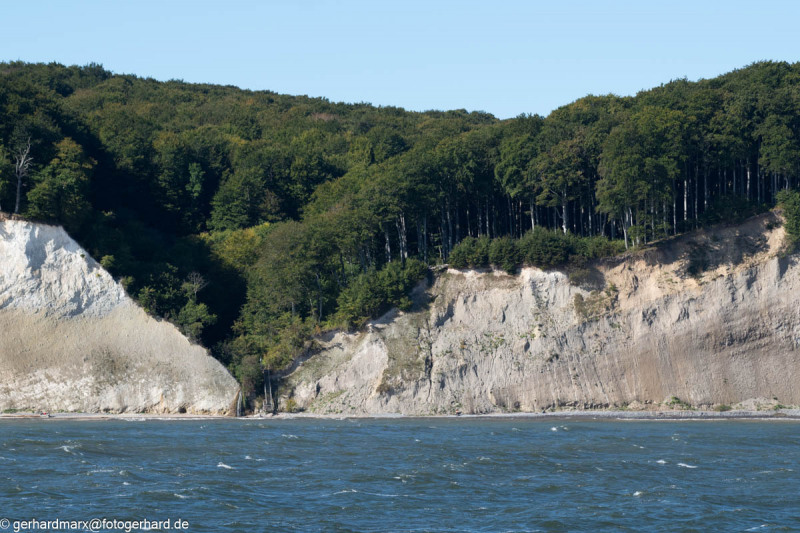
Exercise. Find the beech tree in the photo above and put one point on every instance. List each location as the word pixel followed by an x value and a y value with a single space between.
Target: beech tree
pixel 561 177
pixel 61 188
pixel 641 159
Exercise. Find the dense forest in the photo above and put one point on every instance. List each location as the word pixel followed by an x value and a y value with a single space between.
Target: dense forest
pixel 253 220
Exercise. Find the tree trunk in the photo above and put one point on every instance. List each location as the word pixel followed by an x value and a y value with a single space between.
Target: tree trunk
pixel 443 238
pixel 674 209
pixel 685 198
pixel 748 178
pixel 425 238
pixel 626 223
pixel 695 193
pixel 449 228
pixel 494 221
pixel 510 216
pixel 22 164
pixel 419 239
pixel 401 238
pixel 387 246
pixel 533 216
pixel 458 226
pixel 319 296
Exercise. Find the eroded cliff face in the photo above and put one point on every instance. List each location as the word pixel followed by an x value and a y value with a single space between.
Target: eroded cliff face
pixel 72 340
pixel 709 318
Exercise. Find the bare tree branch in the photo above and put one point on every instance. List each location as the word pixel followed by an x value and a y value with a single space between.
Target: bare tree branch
pixel 197 282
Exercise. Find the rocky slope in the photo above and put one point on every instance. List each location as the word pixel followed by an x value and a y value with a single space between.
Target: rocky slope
pixel 707 319
pixel 72 340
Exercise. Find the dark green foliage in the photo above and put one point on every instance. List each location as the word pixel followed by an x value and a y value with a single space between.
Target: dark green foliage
pixel 300 212
pixel 545 248
pixel 377 291
pixel 789 201
pixel 248 371
pixel 541 248
pixel 731 209
pixel 193 318
pixel 597 247
pixel 61 189
pixel 471 252
pixel 504 253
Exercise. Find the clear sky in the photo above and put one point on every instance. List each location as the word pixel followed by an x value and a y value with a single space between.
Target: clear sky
pixel 504 57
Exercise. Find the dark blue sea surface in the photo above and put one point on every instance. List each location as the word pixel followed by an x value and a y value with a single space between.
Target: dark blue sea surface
pixel 406 474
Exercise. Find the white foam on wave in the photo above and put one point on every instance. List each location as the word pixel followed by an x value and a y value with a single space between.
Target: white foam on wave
pixel 285 436
pixel 382 495
pixel 637 493
pixel 223 465
pixel 553 428
pixel 346 491
pixel 661 462
pixel 181 496
pixel 684 465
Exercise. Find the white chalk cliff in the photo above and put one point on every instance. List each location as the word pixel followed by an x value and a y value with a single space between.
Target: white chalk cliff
pixel 72 340
pixel 711 318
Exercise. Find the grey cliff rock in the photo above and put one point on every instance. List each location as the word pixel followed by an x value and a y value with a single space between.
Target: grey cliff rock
pixel 709 318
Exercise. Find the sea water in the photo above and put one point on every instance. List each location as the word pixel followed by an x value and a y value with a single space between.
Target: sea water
pixel 404 474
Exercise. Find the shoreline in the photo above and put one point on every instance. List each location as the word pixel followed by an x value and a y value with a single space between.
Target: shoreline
pixel 780 414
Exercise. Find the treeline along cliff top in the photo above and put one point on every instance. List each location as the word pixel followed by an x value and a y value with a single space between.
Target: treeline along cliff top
pixel 253 220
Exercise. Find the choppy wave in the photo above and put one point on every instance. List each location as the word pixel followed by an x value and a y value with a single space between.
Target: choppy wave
pixel 410 475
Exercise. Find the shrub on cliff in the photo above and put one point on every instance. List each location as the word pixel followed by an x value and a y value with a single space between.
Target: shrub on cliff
pixel 597 247
pixel 789 200
pixel 471 253
pixel 545 248
pixel 504 253
pixel 377 291
pixel 541 248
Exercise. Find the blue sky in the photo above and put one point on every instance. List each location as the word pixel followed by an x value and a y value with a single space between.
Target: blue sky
pixel 504 57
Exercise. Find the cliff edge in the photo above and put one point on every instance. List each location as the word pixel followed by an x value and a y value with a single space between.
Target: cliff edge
pixel 72 340
pixel 708 319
